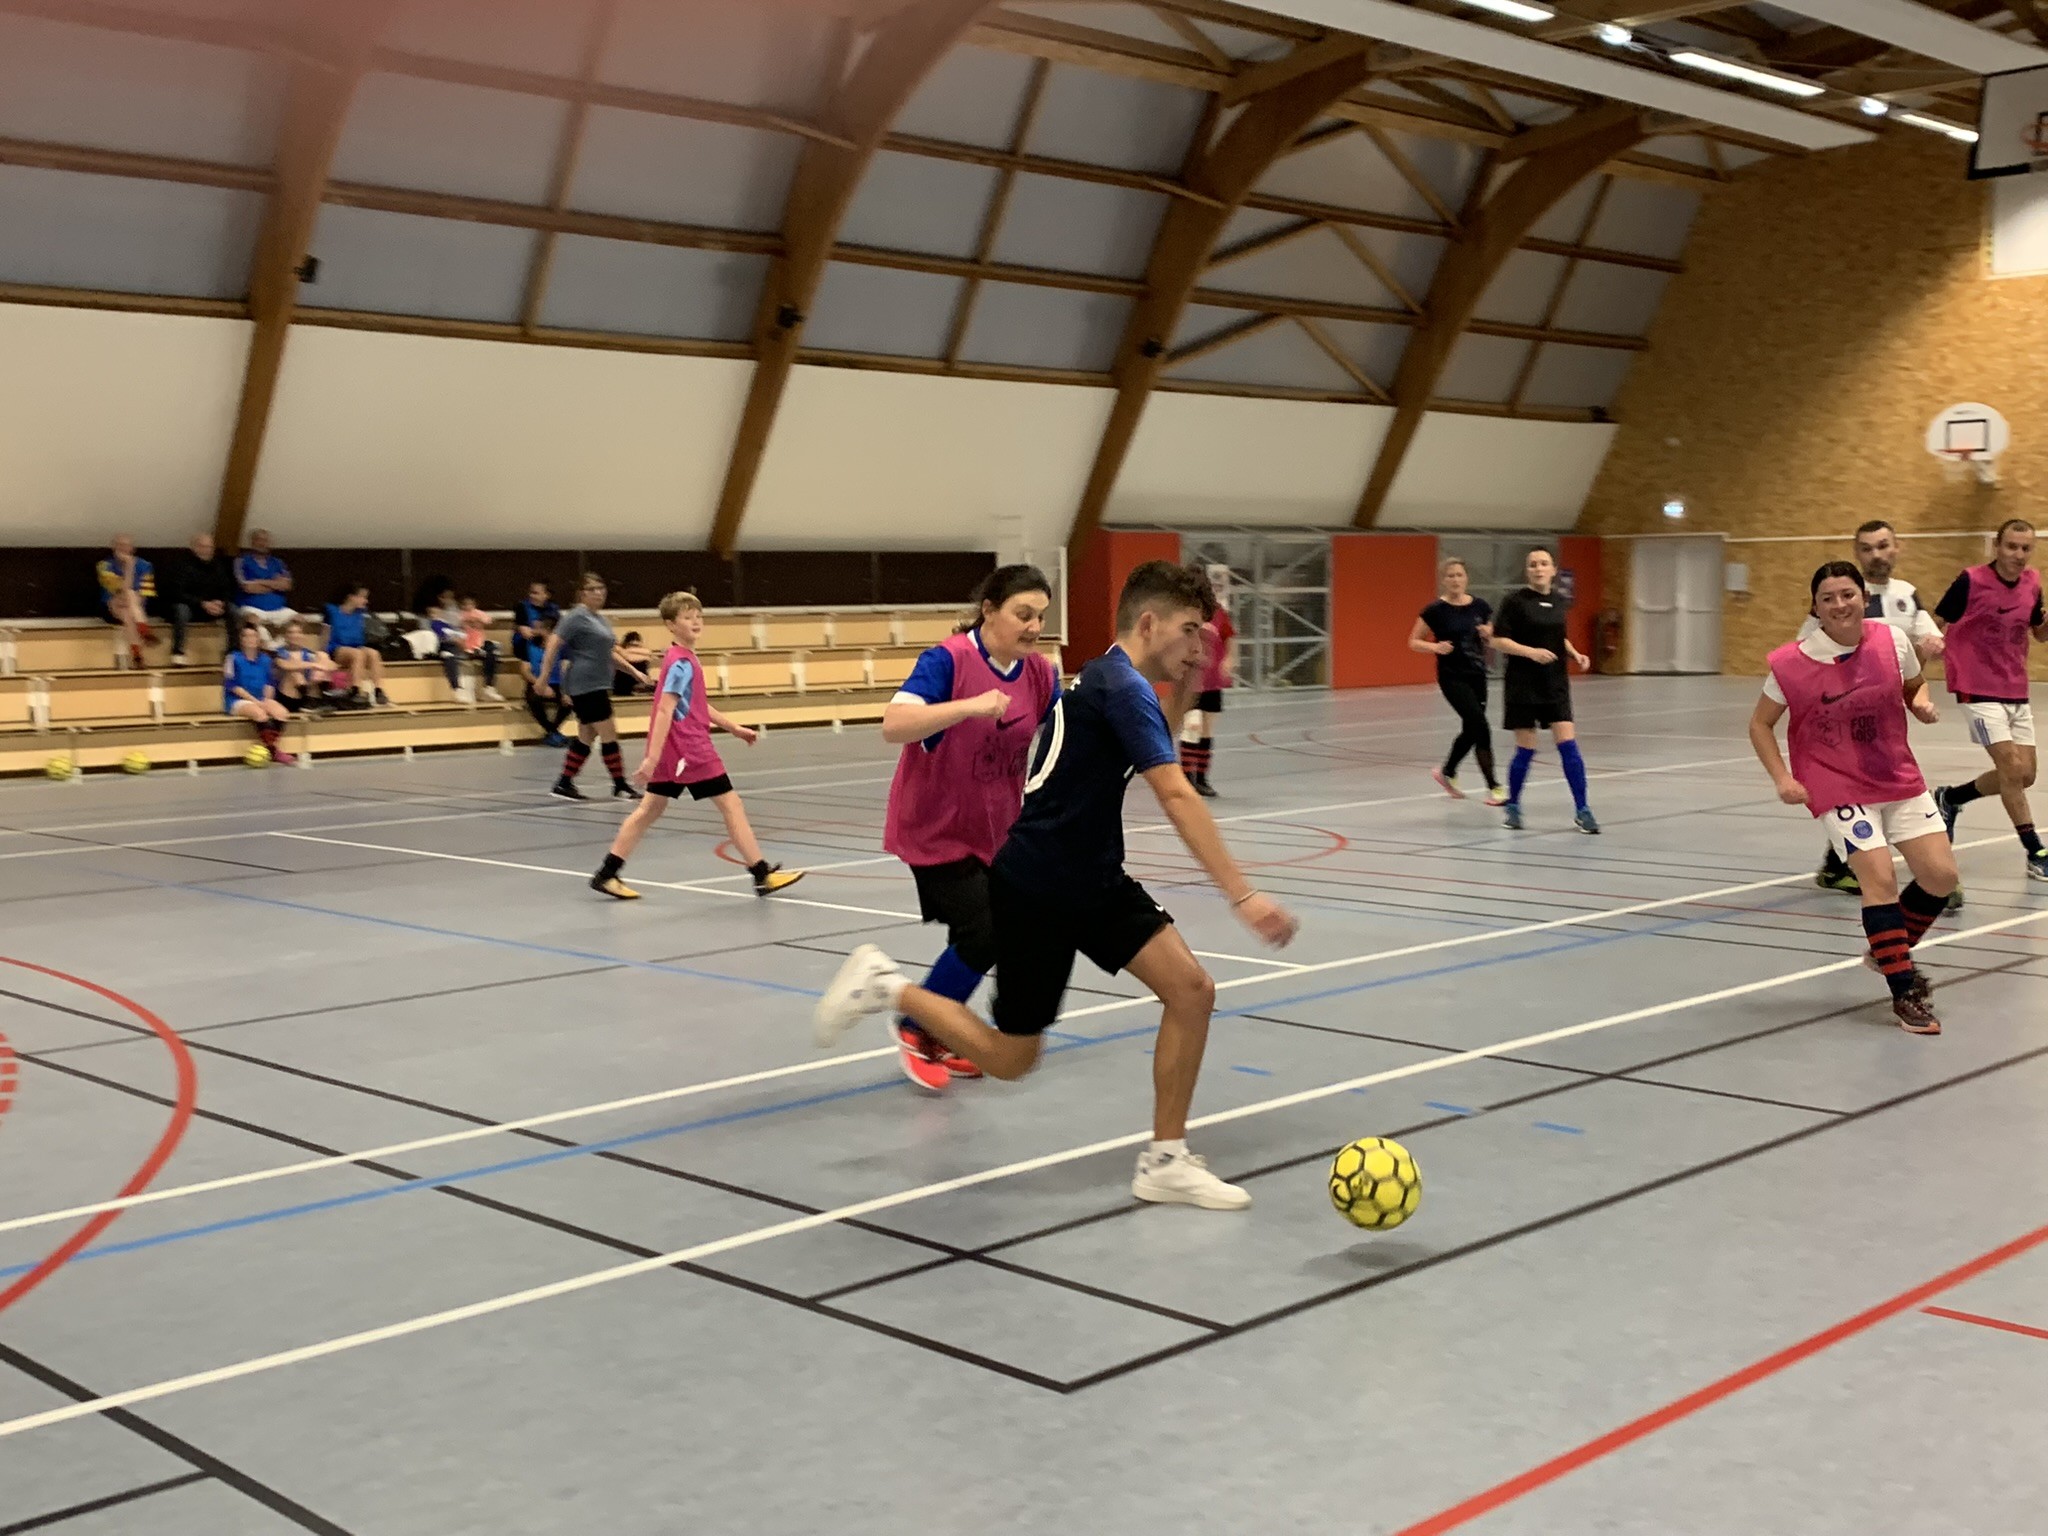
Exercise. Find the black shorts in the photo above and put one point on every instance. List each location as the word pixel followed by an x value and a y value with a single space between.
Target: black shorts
pixel 956 894
pixel 1533 706
pixel 591 708
pixel 703 789
pixel 1037 938
pixel 1210 702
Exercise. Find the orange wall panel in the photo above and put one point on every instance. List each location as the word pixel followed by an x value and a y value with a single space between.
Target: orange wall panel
pixel 1379 582
pixel 1580 554
pixel 1095 581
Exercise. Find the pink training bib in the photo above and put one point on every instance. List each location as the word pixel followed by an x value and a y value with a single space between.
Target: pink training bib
pixel 687 755
pixel 1986 654
pixel 956 799
pixel 1848 724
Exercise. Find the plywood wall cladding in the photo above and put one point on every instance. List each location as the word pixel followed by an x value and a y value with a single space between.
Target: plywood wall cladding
pixel 1830 306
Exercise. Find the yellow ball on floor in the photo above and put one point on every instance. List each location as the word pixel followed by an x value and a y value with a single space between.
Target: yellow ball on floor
pixel 1375 1183
pixel 58 768
pixel 135 762
pixel 257 756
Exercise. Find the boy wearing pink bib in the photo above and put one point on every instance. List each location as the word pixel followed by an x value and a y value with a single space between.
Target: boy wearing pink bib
pixel 1991 610
pixel 965 718
pixel 679 759
pixel 1847 687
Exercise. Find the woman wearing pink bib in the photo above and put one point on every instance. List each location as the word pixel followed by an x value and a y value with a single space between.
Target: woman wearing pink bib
pixel 965 718
pixel 1848 687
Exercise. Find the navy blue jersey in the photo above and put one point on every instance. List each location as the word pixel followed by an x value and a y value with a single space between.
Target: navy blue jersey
pixel 1106 728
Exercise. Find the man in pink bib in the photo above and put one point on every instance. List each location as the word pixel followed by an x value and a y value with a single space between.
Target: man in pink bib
pixel 1848 686
pixel 1990 611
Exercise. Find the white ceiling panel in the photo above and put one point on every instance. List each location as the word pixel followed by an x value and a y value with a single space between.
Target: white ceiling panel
pixel 1314 266
pixel 403 264
pixel 975 96
pixel 1104 119
pixel 544 35
pixel 1588 377
pixel 1280 357
pixel 1926 31
pixel 1125 20
pixel 919 203
pixel 652 290
pixel 1616 301
pixel 1566 219
pixel 1647 218
pixel 1482 368
pixel 878 309
pixel 1350 172
pixel 727 50
pixel 64 229
pixel 1078 226
pixel 113 90
pixel 1375 348
pixel 1031 327
pixel 1521 292
pixel 649 167
pixel 1685 148
pixel 405 132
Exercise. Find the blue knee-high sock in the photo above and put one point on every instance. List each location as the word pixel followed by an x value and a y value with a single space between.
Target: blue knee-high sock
pixel 1518 772
pixel 952 977
pixel 1574 771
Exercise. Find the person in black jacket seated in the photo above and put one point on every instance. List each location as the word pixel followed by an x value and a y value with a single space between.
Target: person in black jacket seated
pixel 198 588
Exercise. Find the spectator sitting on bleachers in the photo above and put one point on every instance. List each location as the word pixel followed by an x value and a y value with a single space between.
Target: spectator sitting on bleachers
pixel 528 640
pixel 127 583
pixel 463 629
pixel 548 713
pixel 199 586
pixel 348 642
pixel 264 579
pixel 301 671
pixel 625 682
pixel 249 690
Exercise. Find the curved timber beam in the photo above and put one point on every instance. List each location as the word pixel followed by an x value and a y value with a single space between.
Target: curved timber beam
pixel 329 62
pixel 903 50
pixel 1222 175
pixel 1544 164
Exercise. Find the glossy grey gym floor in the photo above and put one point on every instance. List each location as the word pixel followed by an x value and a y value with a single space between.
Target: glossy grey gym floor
pixel 1707 1245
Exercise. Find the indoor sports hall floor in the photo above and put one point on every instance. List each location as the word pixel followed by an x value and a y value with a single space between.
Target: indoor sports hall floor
pixel 1707 1245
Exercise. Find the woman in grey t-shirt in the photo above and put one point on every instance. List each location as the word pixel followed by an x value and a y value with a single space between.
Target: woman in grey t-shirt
pixel 589 655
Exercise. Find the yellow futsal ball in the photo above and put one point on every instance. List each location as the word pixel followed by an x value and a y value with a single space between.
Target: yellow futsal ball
pixel 1375 1183
pixel 58 768
pixel 135 762
pixel 257 756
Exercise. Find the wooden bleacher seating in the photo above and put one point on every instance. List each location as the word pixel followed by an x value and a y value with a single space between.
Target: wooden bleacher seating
pixel 64 690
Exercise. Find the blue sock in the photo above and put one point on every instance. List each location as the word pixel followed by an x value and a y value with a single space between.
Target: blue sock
pixel 952 977
pixel 1574 771
pixel 1518 773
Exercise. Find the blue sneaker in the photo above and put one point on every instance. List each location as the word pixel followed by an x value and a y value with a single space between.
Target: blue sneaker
pixel 1585 823
pixel 1511 816
pixel 2037 865
pixel 1947 811
pixel 554 739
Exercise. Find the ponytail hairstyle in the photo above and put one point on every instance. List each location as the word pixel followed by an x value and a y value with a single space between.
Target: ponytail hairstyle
pixel 1002 584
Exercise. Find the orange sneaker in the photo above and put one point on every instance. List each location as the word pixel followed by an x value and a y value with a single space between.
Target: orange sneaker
pixel 957 1066
pixel 920 1057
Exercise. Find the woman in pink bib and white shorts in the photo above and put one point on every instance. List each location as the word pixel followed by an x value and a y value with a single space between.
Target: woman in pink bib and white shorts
pixel 965 719
pixel 1847 687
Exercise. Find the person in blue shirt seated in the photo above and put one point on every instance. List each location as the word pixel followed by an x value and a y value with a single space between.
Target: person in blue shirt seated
pixel 263 579
pixel 301 673
pixel 348 642
pixel 548 713
pixel 127 583
pixel 1058 887
pixel 528 640
pixel 248 685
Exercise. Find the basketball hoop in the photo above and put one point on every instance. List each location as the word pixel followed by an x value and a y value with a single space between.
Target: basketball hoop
pixel 1958 464
pixel 1967 439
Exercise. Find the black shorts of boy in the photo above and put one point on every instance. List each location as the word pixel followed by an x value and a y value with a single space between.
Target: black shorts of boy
pixel 956 894
pixel 591 708
pixel 1210 702
pixel 1037 938
pixel 703 789
pixel 1535 706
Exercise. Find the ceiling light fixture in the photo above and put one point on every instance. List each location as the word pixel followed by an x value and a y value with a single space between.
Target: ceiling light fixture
pixel 1729 69
pixel 1515 10
pixel 1870 106
pixel 1955 131
pixel 1614 34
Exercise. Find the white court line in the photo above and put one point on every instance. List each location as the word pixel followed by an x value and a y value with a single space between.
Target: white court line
pixel 819 1064
pixel 1287 967
pixel 863 1208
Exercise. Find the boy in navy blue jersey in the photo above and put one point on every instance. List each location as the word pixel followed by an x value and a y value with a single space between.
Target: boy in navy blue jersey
pixel 1058 887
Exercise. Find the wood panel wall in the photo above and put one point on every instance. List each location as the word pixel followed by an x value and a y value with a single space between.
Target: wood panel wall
pixel 1831 305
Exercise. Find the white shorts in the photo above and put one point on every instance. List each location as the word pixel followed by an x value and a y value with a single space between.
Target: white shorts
pixel 2001 722
pixel 1862 828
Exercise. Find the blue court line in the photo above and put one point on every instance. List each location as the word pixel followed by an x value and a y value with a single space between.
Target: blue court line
pixel 1566 1130
pixel 1449 1109
pixel 1064 1042
pixel 1252 1071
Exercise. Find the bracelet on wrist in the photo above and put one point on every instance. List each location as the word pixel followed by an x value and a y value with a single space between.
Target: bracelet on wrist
pixel 1247 896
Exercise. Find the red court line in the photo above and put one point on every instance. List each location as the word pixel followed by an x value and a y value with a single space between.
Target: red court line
pixel 1986 1322
pixel 1616 1439
pixel 9 1076
pixel 166 1144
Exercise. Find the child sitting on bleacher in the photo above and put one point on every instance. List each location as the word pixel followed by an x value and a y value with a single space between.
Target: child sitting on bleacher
pixel 301 672
pixel 463 629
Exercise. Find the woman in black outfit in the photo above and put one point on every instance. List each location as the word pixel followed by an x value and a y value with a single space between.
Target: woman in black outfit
pixel 1456 629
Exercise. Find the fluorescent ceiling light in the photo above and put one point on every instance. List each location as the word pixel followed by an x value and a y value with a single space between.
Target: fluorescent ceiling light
pixel 1714 65
pixel 1870 106
pixel 1955 131
pixel 1613 34
pixel 1597 74
pixel 1926 31
pixel 1514 9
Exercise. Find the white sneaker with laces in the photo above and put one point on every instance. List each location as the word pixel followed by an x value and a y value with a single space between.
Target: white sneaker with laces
pixel 493 695
pixel 861 988
pixel 1183 1178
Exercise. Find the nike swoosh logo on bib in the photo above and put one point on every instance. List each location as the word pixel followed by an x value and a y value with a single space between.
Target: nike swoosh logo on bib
pixel 1835 698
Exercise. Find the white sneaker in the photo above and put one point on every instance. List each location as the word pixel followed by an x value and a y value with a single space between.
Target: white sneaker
pixel 493 695
pixel 180 659
pixel 1183 1178
pixel 861 988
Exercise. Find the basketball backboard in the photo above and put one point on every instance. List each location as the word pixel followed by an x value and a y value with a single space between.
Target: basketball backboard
pixel 2012 124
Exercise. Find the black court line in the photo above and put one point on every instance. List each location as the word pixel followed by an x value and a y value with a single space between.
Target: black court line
pixel 203 1462
pixel 1545 1223
pixel 110 1501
